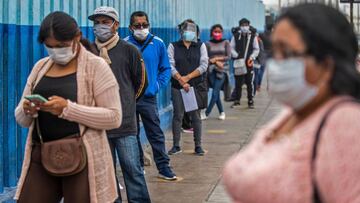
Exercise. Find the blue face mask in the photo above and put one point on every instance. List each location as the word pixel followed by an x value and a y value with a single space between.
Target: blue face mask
pixel 189 36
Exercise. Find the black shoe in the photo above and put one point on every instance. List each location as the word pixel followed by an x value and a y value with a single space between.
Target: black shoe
pixel 167 174
pixel 199 151
pixel 235 104
pixel 251 104
pixel 230 99
pixel 174 150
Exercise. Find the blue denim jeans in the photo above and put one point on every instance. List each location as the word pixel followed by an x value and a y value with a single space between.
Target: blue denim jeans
pixel 261 74
pixel 217 83
pixel 127 151
pixel 147 108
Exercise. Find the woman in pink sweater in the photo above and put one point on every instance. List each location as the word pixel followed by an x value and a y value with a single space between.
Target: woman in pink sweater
pixel 83 99
pixel 310 152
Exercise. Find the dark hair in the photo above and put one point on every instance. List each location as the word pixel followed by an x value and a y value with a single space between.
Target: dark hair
pixel 327 33
pixel 138 14
pixel 189 20
pixel 244 20
pixel 214 27
pixel 60 25
pixel 89 46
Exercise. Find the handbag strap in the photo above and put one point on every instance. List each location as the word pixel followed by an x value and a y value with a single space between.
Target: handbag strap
pixel 38 130
pixel 40 135
pixel 316 194
pixel 147 43
pixel 37 119
pixel 247 44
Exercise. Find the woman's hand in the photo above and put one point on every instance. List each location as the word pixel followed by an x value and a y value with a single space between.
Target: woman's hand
pixel 55 105
pixel 213 60
pixel 30 108
pixel 186 87
pixel 250 62
pixel 185 79
pixel 219 64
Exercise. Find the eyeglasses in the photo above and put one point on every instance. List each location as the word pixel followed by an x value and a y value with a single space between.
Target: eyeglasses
pixel 282 51
pixel 293 54
pixel 141 26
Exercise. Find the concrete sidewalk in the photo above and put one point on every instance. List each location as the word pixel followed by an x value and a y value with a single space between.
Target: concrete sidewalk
pixel 201 176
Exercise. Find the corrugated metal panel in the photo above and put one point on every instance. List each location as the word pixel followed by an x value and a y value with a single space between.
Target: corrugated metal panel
pixel 19 50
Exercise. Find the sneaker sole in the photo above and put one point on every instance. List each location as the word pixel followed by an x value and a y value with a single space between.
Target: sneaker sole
pixel 178 152
pixel 167 178
pixel 200 154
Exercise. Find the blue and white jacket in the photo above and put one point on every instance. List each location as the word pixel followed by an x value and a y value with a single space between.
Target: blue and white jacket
pixel 156 61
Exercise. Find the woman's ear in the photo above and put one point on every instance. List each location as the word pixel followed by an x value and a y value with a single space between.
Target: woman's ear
pixel 329 66
pixel 326 70
pixel 78 36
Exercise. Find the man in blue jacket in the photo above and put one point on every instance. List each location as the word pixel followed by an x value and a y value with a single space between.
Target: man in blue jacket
pixel 159 72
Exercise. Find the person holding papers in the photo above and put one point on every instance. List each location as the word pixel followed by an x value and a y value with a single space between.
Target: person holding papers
pixel 189 62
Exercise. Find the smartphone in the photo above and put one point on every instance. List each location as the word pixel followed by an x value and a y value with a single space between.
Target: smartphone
pixel 36 98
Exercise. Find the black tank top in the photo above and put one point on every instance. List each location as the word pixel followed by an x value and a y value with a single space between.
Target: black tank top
pixel 52 127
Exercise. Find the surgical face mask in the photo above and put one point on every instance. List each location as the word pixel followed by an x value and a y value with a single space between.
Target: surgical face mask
pixel 189 36
pixel 103 32
pixel 244 28
pixel 287 82
pixel 61 56
pixel 141 34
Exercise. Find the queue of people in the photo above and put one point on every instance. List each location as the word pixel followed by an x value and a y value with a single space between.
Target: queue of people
pixel 93 95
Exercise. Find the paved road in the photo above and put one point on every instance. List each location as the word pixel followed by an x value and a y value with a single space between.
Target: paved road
pixel 201 175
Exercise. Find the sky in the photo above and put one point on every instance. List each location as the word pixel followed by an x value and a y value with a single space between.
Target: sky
pixel 267 2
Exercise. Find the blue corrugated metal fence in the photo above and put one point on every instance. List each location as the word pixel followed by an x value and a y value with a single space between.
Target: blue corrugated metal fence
pixel 19 49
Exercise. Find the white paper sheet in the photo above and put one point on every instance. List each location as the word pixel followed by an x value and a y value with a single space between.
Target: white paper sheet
pixel 189 99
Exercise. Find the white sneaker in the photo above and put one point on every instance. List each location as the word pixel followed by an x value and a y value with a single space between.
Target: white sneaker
pixel 222 116
pixel 203 116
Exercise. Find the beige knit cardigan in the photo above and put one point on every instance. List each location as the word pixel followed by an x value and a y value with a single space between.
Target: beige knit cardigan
pixel 98 108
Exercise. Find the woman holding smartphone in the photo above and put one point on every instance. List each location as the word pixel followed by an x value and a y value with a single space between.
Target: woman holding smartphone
pixel 83 100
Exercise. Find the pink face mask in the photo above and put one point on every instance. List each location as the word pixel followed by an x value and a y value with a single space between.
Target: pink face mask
pixel 217 35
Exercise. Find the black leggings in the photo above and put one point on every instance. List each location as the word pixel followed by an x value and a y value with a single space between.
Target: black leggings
pixel 39 186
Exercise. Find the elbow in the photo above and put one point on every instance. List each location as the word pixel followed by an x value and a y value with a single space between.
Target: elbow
pixel 114 122
pixel 21 119
pixel 117 119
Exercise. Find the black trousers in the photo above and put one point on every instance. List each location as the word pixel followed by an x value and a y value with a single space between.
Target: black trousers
pixel 240 80
pixel 39 186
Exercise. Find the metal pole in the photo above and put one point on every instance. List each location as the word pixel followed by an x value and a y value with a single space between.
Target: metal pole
pixel 352 12
pixel 358 18
pixel 279 5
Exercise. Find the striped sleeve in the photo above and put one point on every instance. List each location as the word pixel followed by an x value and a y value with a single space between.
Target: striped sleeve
pixel 107 113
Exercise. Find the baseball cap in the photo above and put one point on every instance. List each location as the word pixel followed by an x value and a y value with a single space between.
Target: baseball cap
pixel 105 11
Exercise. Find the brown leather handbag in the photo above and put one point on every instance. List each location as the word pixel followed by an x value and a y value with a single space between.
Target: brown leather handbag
pixel 63 157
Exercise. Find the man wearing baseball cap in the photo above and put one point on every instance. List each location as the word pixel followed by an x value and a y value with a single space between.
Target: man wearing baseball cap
pixel 127 65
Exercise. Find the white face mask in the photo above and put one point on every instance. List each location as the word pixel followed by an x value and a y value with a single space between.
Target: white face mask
pixel 244 28
pixel 287 82
pixel 103 32
pixel 61 56
pixel 141 34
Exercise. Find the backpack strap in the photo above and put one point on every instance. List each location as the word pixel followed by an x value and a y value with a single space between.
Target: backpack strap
pixel 147 43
